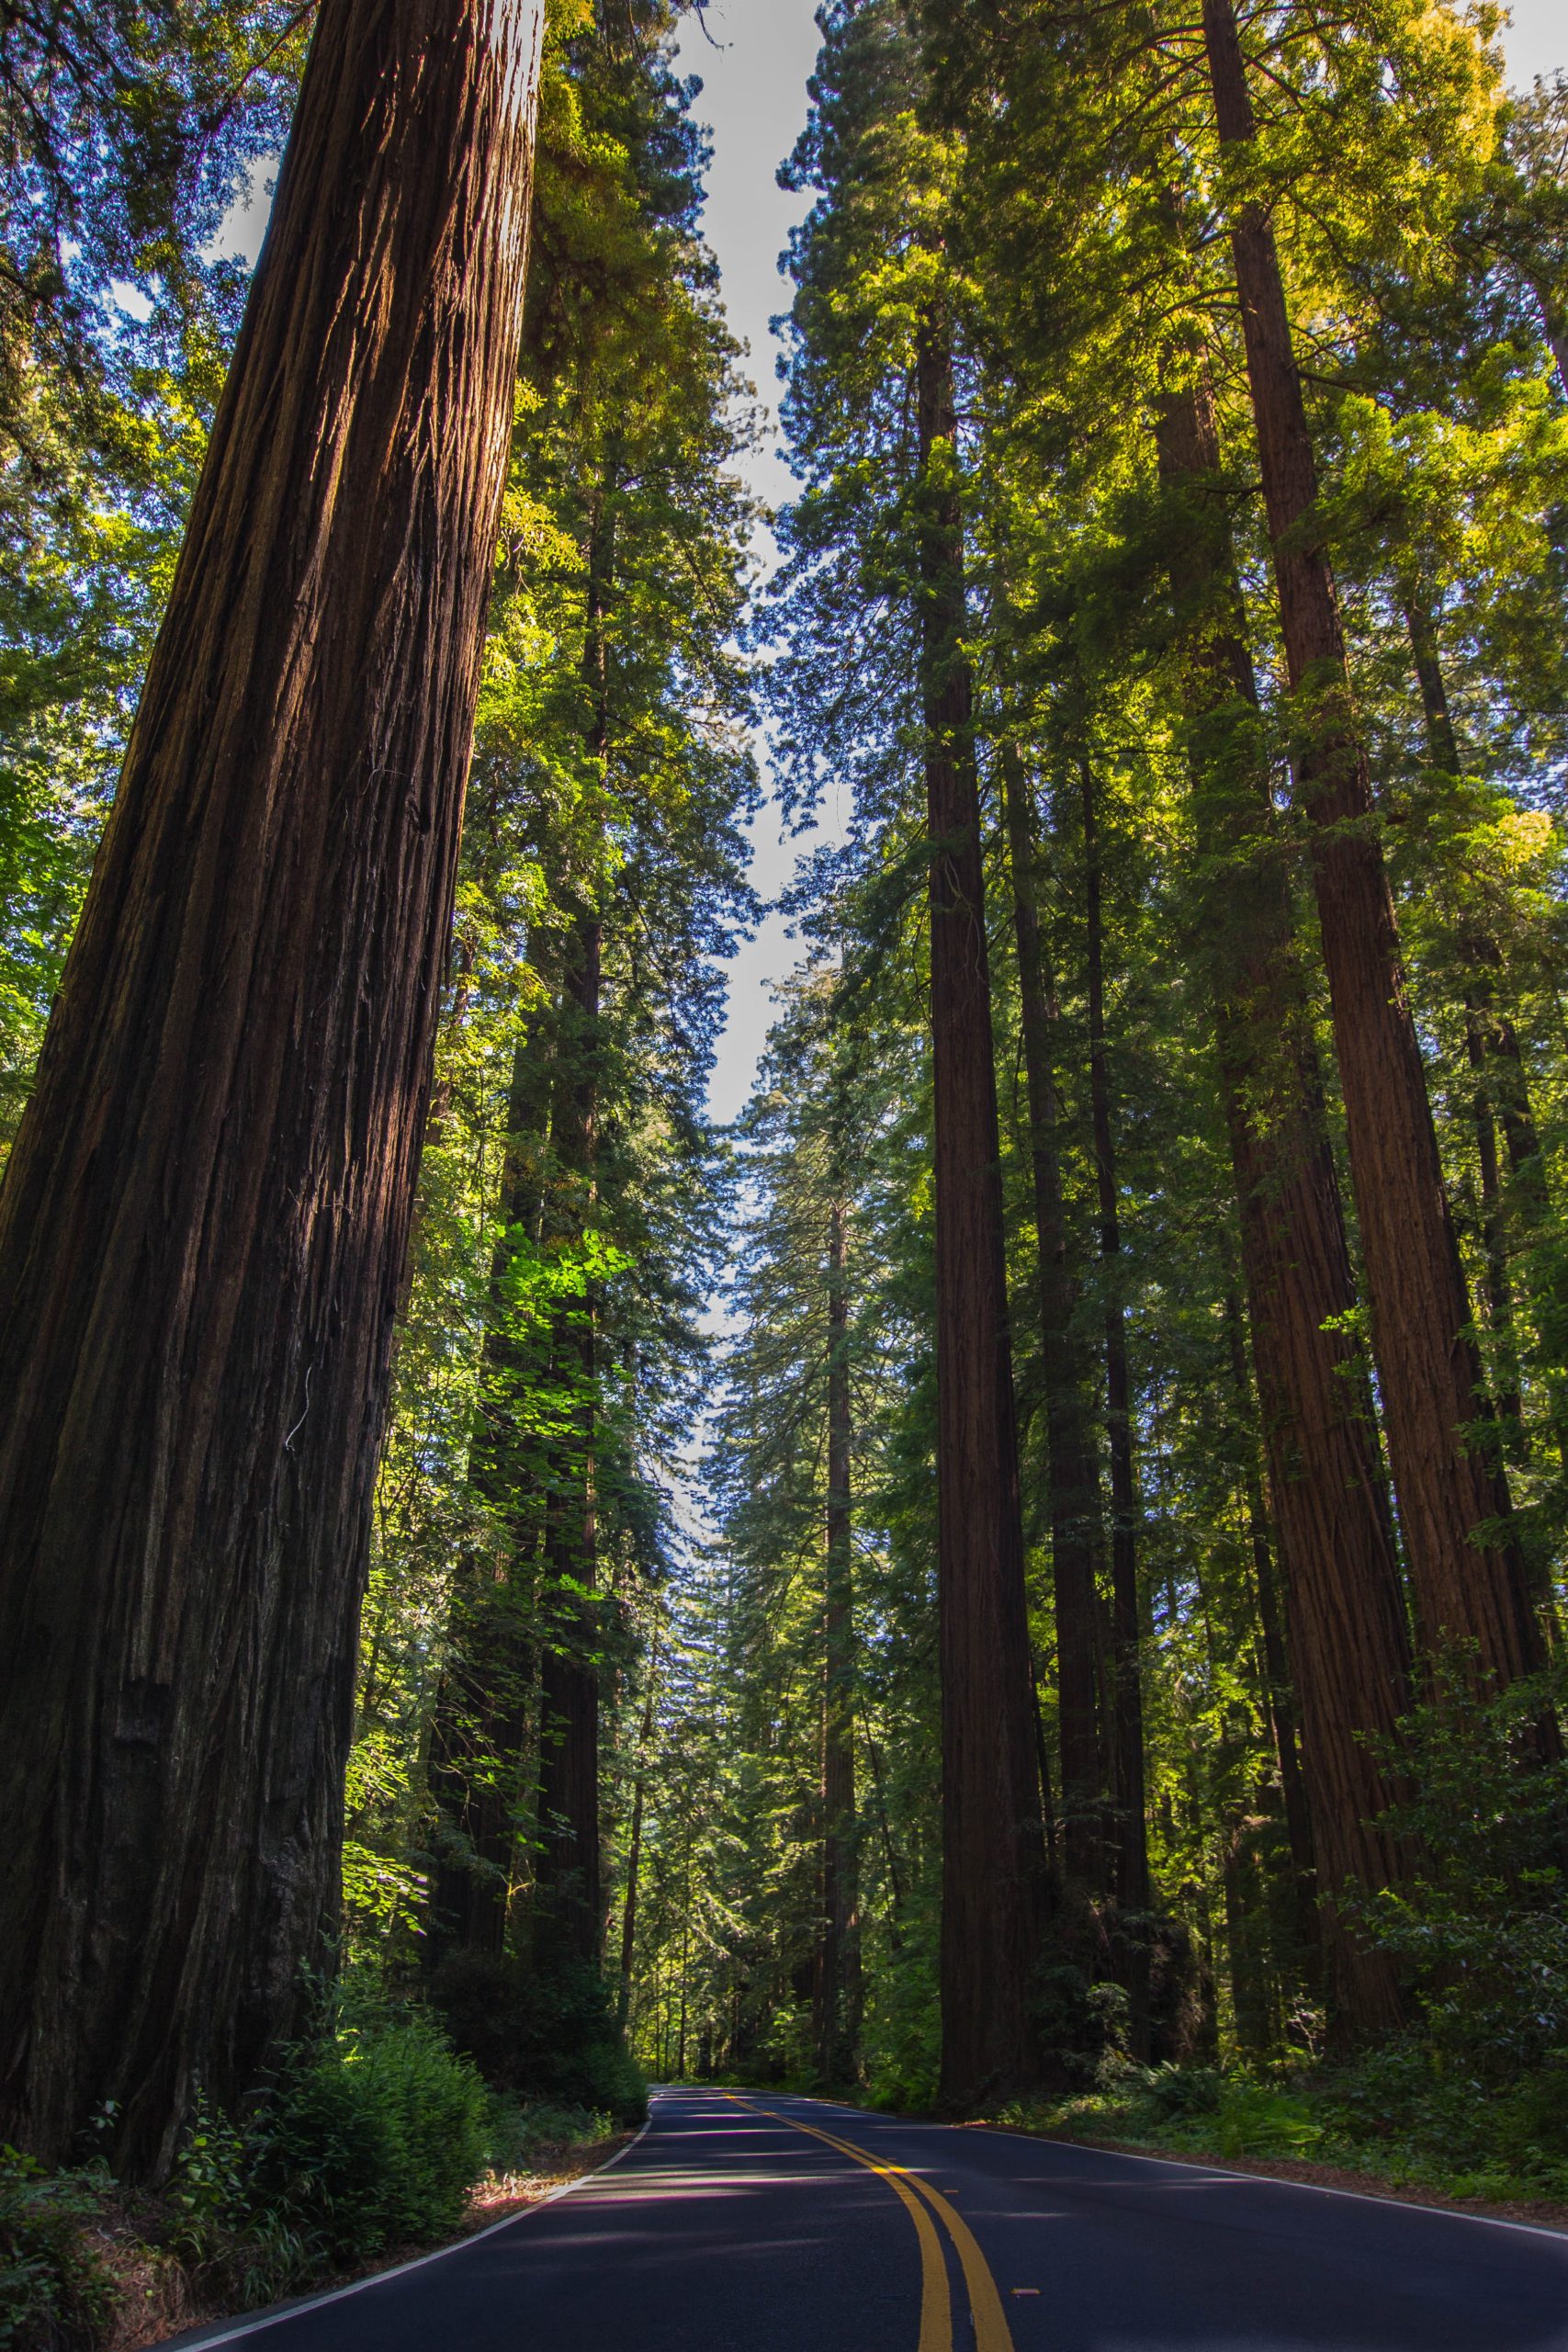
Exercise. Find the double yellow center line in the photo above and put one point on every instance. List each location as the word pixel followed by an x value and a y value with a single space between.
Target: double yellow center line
pixel 991 2331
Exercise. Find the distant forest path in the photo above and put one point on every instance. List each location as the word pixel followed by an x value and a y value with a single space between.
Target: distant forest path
pixel 756 2222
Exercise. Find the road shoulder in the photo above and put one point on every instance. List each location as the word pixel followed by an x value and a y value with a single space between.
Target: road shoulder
pixel 1523 2213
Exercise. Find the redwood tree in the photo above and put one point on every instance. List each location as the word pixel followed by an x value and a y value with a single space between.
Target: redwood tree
pixel 1133 1888
pixel 204 1220
pixel 993 1858
pixel 1077 1533
pixel 1468 1586
pixel 1348 1646
pixel 569 1918
pixel 836 1988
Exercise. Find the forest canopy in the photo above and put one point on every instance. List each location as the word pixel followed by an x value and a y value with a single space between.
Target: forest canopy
pixel 1026 1574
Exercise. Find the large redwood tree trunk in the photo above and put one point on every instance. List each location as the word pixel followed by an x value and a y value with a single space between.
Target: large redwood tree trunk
pixel 1345 1614
pixel 203 1224
pixel 993 1853
pixel 1464 1590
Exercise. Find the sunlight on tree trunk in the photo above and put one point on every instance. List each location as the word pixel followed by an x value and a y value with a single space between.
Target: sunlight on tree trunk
pixel 203 1224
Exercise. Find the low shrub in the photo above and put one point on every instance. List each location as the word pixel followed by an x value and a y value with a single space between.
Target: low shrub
pixel 1479 1930
pixel 1173 2092
pixel 374 2139
pixel 54 2292
pixel 1529 2127
pixel 210 2194
pixel 528 2136
pixel 372 2136
pixel 1255 2119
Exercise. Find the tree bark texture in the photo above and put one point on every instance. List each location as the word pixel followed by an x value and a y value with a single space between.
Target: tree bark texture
pixel 204 1220
pixel 568 1871
pixel 1132 1850
pixel 1278 1682
pixel 1488 1040
pixel 836 1988
pixel 1465 1590
pixel 993 1858
pixel 634 1846
pixel 485 1709
pixel 1281 1699
pixel 1078 1529
pixel 1344 1608
pixel 569 1913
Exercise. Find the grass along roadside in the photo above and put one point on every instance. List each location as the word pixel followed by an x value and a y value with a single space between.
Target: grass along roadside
pixel 1390 2126
pixel 1537 2212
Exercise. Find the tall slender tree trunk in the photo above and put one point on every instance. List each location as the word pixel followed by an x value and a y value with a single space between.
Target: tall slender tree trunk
pixel 837 1977
pixel 1282 1704
pixel 1279 1687
pixel 568 1871
pixel 1344 1609
pixel 1244 1964
pixel 889 1852
pixel 568 1874
pixel 1077 1533
pixel 1466 1590
pixel 1491 1048
pixel 993 1856
pixel 1133 1892
pixel 203 1219
pixel 1501 1096
pixel 484 1709
pixel 633 1846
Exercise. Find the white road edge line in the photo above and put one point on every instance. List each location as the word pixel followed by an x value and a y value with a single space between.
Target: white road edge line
pixel 1195 2164
pixel 401 2269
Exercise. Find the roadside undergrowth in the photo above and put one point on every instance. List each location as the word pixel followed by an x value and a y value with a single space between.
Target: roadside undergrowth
pixel 87 2264
pixel 1396 2120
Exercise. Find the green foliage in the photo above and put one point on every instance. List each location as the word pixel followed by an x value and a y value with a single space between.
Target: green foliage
pixel 1173 2092
pixel 1062 203
pixel 54 2292
pixel 1481 1927
pixel 545 2031
pixel 1256 2120
pixel 529 2135
pixel 209 2188
pixel 374 2139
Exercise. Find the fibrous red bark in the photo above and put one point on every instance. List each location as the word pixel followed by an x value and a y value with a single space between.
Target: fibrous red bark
pixel 1077 1532
pixel 836 1984
pixel 569 1907
pixel 1133 1888
pixel 993 1856
pixel 204 1221
pixel 1469 1586
pixel 1345 1614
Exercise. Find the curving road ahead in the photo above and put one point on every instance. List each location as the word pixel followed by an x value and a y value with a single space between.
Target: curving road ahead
pixel 756 2222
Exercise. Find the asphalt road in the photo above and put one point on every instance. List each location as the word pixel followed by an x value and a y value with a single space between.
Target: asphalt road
pixel 756 2222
